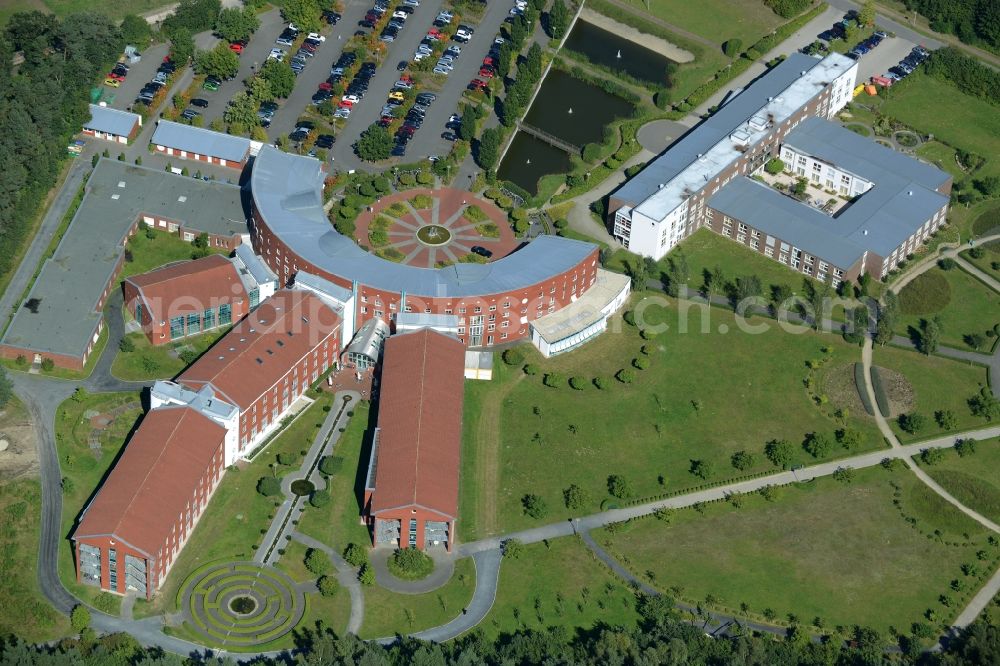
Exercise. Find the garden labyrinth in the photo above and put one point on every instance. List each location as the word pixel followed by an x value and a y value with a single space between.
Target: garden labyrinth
pixel 241 603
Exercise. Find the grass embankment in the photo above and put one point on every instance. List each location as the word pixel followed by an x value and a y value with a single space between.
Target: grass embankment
pixel 236 518
pixel 157 249
pixel 652 430
pixel 963 304
pixel 988 261
pixel 387 613
pixel 84 469
pixel 933 383
pixel 25 610
pixel 147 362
pixel 974 480
pixel 840 552
pixel 334 610
pixel 743 20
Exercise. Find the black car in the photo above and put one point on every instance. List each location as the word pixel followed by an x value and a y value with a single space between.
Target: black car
pixel 325 140
pixel 197 101
pixel 368 67
pixel 398 150
pixel 406 9
pixel 305 124
pixel 321 96
pixel 298 136
pixel 481 251
pixel 332 18
pixel 448 136
pixel 365 24
pixel 402 65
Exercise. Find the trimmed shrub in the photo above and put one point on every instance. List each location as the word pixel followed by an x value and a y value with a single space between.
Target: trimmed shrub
pixel 327 585
pixel 319 498
pixel 859 385
pixel 881 397
pixel 268 486
pixel 513 356
pixel 410 564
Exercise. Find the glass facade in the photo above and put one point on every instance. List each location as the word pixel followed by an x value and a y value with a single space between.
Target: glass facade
pixel 254 297
pixel 208 319
pixel 225 314
pixel 176 328
pixel 194 323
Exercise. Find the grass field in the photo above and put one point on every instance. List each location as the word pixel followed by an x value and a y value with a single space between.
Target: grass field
pixel 840 552
pixel 937 383
pixel 387 613
pixel 338 523
pixel 970 306
pixel 559 583
pixel 989 263
pixel 715 20
pixel 963 121
pixel 163 248
pixel 25 611
pixel 653 427
pixel 114 10
pixel 135 365
pixel 237 516
pixel 86 468
pixel 973 480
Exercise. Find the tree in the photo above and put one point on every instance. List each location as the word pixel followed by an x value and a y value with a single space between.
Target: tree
pixel 534 506
pixel 975 340
pixel 355 555
pixel 558 19
pixel 220 62
pixel 732 48
pixel 779 452
pixel 242 110
pixel 985 405
pixel 849 438
pixel 930 336
pixel 366 575
pixel 965 447
pixel 268 486
pixel 259 89
pixel 774 166
pixel 619 486
pixel 6 388
pixel 575 497
pixel 234 24
pixel 318 562
pixel 79 618
pixel 742 460
pixel 136 31
pixel 319 498
pixel 553 380
pixel 532 66
pixel 703 469
pixel 513 356
pixel 504 59
pixel 487 150
pixel 946 419
pixel 279 76
pixel 747 286
pixel 375 144
pixel 817 445
pixel 913 422
pixel 843 474
pixel 578 383
pixel 327 585
pixel 467 127
pixel 305 14
pixel 866 15
pixel 181 45
pixel 512 548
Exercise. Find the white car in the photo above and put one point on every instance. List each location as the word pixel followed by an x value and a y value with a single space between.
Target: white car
pixel 442 70
pixel 315 35
pixel 342 113
pixel 464 34
pixel 516 11
pixel 400 15
pixel 412 3
pixel 352 99
pixel 419 55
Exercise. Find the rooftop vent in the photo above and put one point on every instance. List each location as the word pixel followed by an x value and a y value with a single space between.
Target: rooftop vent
pixel 222 358
pixel 116 197
pixel 865 232
pixel 260 361
pixel 121 183
pixel 232 349
pixel 243 339
pixel 910 193
pixel 253 330
pixel 660 186
pixel 182 198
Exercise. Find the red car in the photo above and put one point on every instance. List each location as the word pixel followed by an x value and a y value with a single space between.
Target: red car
pixel 477 84
pixel 373 17
pixel 326 85
pixel 116 77
pixel 385 122
pixel 406 130
pixel 345 105
pixel 236 48
pixel 488 62
pixel 486 72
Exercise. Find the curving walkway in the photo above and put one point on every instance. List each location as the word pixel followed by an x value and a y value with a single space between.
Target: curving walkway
pixel 444 567
pixel 346 575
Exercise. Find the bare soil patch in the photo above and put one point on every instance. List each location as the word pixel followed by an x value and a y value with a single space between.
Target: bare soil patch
pixel 19 454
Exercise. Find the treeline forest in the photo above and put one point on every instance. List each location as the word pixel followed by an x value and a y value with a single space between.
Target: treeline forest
pixel 972 21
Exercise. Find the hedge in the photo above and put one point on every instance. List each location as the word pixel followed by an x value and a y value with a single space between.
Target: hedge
pixel 859 384
pixel 881 397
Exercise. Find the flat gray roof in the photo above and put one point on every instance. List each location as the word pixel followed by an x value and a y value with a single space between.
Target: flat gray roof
pixel 288 192
pixel 72 281
pixel 584 311
pixel 700 140
pixel 200 140
pixel 111 121
pixel 254 265
pixel 902 198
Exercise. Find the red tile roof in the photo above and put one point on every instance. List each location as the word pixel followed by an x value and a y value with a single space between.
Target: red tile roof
pixel 420 423
pixel 264 346
pixel 189 287
pixel 156 476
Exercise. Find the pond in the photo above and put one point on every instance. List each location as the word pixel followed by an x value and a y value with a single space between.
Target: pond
pixel 528 159
pixel 603 47
pixel 574 110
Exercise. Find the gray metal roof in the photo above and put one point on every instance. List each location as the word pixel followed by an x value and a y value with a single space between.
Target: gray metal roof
pixel 111 121
pixel 200 140
pixel 426 320
pixel 315 282
pixel 287 190
pixel 369 339
pixel 254 265
pixel 73 280
pixel 720 125
pixel 902 198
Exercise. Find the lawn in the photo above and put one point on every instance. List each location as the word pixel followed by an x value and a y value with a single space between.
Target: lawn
pixel 936 107
pixel 25 610
pixel 840 552
pixel 84 469
pixel 333 611
pixel 114 10
pixel 293 562
pixel 973 480
pixel 558 583
pixel 147 362
pixel 936 383
pixel 651 430
pixel 714 20
pixel 163 248
pixel 237 516
pixel 942 156
pixel 964 305
pixel 387 613
pixel 989 263
pixel 338 523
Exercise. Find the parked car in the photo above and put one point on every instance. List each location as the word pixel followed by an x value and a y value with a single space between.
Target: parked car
pixel 481 251
pixel 189 114
pixel 236 48
pixel 199 102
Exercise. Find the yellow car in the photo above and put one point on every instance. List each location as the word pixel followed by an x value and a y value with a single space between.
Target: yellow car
pixel 114 83
pixel 396 95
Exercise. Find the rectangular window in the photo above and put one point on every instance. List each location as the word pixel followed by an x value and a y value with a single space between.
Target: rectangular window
pixel 138 312
pixel 208 319
pixel 254 297
pixel 225 314
pixel 176 327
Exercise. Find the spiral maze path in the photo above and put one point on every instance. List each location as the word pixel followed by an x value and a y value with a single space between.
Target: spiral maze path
pixel 241 603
